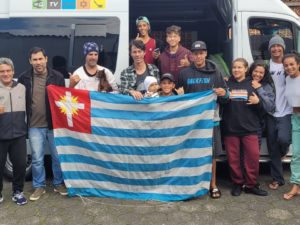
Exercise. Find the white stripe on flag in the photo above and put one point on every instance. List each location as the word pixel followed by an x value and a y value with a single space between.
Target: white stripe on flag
pixel 144 142
pixel 119 158
pixel 153 107
pixel 182 171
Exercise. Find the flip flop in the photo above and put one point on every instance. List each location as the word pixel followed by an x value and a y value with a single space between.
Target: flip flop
pixel 290 195
pixel 274 185
pixel 215 193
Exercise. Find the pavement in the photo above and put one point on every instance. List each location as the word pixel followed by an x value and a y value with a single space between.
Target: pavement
pixel 246 209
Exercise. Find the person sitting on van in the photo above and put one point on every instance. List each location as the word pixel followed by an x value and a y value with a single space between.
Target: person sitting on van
pixel 151 85
pixel 13 129
pixel 203 75
pixel 278 123
pixel 240 123
pixel 133 77
pixel 152 46
pixel 85 77
pixel 175 57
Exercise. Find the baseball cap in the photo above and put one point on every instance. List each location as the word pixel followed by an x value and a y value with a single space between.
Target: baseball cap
pixel 198 45
pixel 142 19
pixel 167 76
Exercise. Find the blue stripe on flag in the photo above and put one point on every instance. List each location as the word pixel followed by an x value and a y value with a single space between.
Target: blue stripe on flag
pixel 183 162
pixel 125 99
pixel 138 115
pixel 134 150
pixel 179 181
pixel 152 133
pixel 133 195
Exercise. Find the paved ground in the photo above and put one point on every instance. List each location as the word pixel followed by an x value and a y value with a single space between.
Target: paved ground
pixel 246 209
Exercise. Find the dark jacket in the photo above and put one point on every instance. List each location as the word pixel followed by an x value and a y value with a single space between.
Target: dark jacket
pixel 26 78
pixel 13 120
pixel 239 118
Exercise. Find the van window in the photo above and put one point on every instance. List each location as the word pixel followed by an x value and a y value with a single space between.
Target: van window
pixel 62 38
pixel 261 31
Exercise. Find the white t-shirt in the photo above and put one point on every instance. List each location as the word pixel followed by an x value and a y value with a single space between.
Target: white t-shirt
pixel 282 106
pixel 292 91
pixel 91 83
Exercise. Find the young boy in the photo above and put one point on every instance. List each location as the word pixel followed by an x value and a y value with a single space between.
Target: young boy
pixel 151 87
pixel 167 85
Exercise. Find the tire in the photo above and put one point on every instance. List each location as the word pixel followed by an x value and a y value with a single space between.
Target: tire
pixel 8 172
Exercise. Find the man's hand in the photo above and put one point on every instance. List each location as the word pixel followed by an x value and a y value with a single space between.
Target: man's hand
pixel 220 92
pixel 253 99
pixel 184 62
pixel 74 79
pixel 136 95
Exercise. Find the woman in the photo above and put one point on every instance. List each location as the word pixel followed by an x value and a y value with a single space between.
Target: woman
pixel 291 64
pixel 240 127
pixel 264 87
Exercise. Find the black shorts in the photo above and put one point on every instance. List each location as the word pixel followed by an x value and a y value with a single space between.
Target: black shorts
pixel 216 142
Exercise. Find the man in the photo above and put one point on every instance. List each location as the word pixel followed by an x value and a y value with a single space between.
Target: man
pixel 203 75
pixel 152 45
pixel 39 120
pixel 86 77
pixel 13 130
pixel 175 57
pixel 132 78
pixel 279 123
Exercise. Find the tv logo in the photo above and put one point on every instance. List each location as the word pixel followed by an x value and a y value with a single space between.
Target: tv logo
pixel 68 4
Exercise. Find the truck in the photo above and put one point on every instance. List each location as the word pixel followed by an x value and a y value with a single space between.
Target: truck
pixel 230 28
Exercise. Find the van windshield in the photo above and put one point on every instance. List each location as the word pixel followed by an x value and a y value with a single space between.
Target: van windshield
pixel 62 39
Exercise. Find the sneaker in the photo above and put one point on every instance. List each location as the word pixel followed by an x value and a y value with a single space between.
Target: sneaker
pixel 236 190
pixel 61 189
pixel 38 192
pixel 19 198
pixel 1 198
pixel 256 191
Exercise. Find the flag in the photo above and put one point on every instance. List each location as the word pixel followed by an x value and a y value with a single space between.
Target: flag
pixel 112 145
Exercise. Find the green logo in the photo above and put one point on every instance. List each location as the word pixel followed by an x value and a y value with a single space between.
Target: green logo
pixel 39 4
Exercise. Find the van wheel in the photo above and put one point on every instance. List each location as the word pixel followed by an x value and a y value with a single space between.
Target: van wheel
pixel 8 171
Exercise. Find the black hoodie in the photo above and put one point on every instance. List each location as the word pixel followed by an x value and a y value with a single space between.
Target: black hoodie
pixel 194 79
pixel 239 118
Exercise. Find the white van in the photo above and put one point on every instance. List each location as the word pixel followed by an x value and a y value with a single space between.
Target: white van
pixel 231 28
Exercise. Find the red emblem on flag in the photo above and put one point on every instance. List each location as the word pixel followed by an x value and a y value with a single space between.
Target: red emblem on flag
pixel 70 108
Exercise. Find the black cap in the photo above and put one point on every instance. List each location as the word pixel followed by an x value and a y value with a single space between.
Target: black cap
pixel 167 76
pixel 198 45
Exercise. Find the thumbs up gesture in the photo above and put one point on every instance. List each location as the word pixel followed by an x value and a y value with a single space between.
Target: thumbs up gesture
pixel 253 99
pixel 184 62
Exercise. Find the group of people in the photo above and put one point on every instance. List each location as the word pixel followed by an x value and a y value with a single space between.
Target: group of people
pixel 255 97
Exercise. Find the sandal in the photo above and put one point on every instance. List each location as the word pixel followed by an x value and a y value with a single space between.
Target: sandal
pixel 290 195
pixel 274 185
pixel 215 193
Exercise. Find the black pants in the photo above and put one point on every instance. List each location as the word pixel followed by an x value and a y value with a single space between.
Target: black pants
pixel 16 149
pixel 279 137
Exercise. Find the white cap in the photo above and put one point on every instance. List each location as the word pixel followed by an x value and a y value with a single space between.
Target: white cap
pixel 148 81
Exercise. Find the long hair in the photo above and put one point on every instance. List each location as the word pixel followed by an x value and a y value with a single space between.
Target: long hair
pixel 267 76
pixel 104 86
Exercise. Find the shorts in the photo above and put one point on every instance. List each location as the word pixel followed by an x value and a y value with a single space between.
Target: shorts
pixel 216 142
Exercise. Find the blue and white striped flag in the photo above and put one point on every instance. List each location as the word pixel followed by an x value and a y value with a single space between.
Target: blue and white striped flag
pixel 111 145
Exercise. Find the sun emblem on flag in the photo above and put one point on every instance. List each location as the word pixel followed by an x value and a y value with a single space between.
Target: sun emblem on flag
pixel 69 105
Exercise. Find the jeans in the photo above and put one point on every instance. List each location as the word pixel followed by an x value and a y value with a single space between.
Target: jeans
pixel 37 139
pixel 295 164
pixel 279 136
